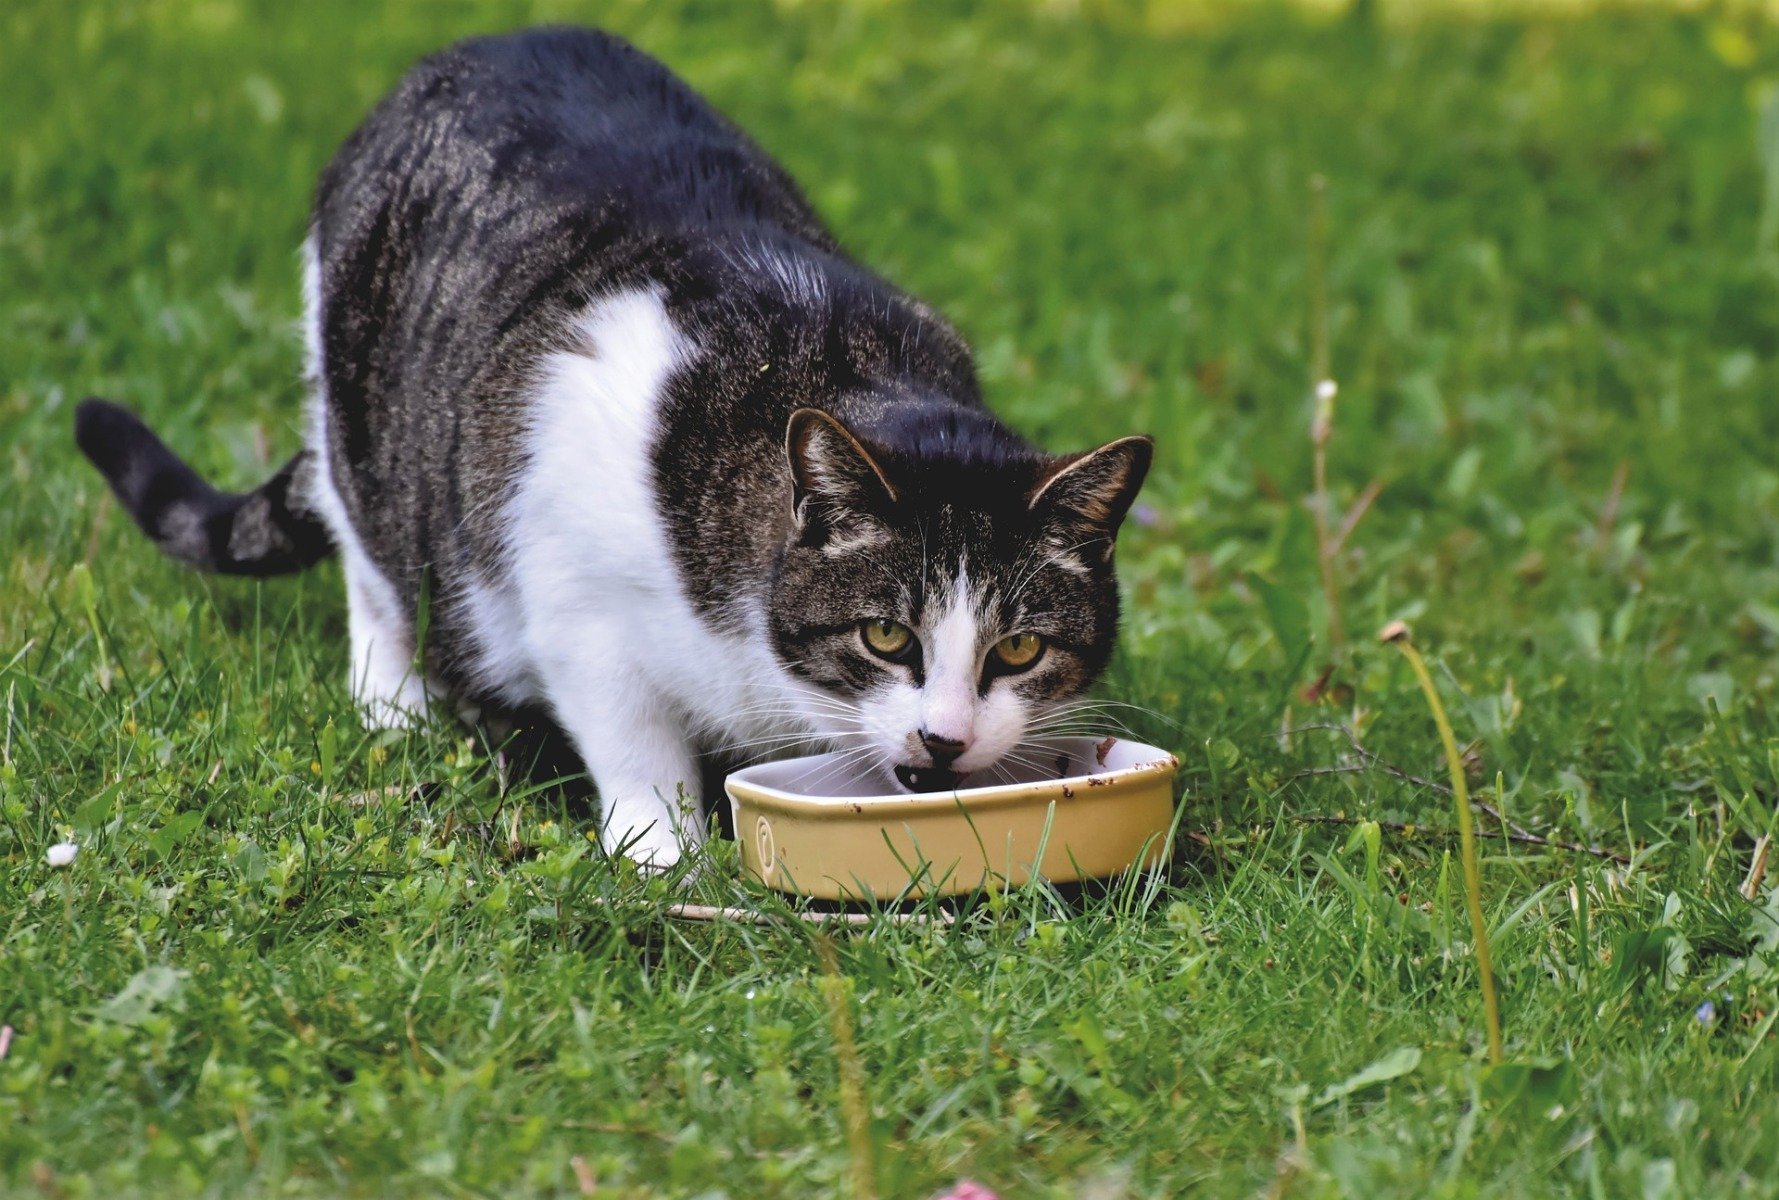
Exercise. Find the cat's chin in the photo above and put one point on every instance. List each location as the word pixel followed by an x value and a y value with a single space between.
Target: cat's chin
pixel 928 779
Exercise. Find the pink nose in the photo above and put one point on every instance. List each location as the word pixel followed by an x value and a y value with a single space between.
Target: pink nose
pixel 944 750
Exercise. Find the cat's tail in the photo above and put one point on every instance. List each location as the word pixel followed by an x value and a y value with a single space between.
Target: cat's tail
pixel 272 530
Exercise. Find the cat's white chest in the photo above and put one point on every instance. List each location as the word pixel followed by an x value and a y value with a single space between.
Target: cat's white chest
pixel 594 600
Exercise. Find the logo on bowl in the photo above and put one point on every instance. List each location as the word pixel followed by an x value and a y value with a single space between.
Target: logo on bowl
pixel 768 849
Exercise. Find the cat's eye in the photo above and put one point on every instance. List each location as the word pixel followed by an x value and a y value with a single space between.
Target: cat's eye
pixel 1019 651
pixel 891 639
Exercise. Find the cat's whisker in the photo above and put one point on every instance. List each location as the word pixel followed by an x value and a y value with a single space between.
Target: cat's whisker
pixel 1106 709
pixel 846 761
pixel 765 711
pixel 767 745
pixel 1021 760
pixel 1155 714
pixel 1081 725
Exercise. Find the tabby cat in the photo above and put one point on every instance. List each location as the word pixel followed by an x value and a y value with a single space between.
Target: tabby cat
pixel 593 383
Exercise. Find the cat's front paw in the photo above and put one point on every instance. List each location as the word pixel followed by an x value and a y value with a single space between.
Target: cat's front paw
pixel 655 847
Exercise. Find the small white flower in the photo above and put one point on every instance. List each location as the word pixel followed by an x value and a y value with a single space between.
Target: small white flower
pixel 1325 390
pixel 61 854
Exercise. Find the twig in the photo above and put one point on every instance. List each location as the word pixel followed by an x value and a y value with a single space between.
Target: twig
pixel 245 1125
pixel 1410 827
pixel 1371 761
pixel 592 1127
pixel 584 1177
pixel 748 916
pixel 1361 505
pixel 1757 870
pixel 1615 494
pixel 44 1177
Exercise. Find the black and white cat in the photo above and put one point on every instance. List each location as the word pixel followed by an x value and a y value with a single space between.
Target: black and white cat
pixel 591 377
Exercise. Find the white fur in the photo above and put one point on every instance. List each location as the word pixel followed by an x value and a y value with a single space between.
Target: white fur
pixel 801 282
pixel 383 680
pixel 954 644
pixel 502 665
pixel 591 617
pixel 606 634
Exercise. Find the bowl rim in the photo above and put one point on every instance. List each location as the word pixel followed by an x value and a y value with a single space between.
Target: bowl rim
pixel 997 796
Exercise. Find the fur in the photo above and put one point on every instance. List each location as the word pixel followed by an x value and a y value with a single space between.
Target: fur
pixel 590 378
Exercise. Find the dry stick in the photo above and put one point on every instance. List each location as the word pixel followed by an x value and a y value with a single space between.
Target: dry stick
pixel 1410 827
pixel 1397 632
pixel 1355 514
pixel 853 1106
pixel 247 1139
pixel 748 916
pixel 591 1127
pixel 1615 495
pixel 44 1177
pixel 1322 424
pixel 584 1177
pixel 1757 870
pixel 1515 831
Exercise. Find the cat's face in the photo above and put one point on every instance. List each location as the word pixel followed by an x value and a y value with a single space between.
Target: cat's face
pixel 942 608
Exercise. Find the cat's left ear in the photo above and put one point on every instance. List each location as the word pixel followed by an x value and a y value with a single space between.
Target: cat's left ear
pixel 834 480
pixel 1087 496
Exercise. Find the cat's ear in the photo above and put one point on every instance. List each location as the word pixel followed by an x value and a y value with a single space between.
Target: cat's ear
pixel 834 479
pixel 1085 498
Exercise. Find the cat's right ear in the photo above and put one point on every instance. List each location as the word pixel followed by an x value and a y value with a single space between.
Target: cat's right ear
pixel 834 479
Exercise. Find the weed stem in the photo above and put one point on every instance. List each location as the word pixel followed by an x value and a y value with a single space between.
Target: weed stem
pixel 1322 422
pixel 854 1108
pixel 1485 965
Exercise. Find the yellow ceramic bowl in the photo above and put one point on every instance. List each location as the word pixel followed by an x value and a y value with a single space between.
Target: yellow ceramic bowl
pixel 811 827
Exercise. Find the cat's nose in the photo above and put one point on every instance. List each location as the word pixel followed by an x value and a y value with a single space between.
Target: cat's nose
pixel 944 750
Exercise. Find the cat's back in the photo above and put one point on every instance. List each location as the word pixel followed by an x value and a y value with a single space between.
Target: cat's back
pixel 554 124
pixel 504 186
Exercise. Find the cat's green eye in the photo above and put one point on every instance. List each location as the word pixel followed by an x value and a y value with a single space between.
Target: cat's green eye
pixel 1019 651
pixel 886 637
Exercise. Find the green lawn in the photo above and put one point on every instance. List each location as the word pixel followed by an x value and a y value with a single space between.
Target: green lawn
pixel 1552 282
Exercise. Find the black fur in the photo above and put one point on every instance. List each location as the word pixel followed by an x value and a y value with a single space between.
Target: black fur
pixel 507 183
pixel 1036 535
pixel 268 531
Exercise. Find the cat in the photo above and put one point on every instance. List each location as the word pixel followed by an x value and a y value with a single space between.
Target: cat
pixel 595 387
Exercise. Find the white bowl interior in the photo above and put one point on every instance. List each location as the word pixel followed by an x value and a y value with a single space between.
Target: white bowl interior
pixel 841 775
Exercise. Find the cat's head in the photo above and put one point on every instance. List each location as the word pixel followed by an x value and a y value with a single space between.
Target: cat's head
pixel 945 590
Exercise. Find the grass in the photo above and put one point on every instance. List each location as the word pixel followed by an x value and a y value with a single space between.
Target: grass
pixel 1552 249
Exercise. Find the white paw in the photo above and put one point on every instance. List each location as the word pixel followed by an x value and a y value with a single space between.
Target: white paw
pixel 655 847
pixel 405 710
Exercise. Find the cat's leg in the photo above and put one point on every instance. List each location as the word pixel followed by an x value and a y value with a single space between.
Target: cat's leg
pixel 383 680
pixel 389 691
pixel 634 745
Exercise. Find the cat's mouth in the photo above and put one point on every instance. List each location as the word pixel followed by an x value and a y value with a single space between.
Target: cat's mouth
pixel 930 779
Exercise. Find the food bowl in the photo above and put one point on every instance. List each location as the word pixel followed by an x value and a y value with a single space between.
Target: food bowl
pixel 1077 808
